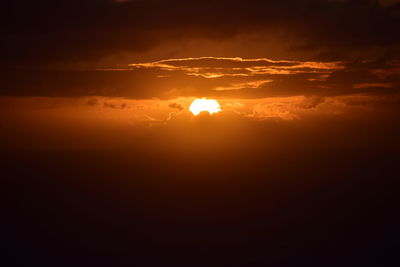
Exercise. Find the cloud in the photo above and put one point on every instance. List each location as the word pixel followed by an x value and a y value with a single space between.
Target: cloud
pixel 70 31
pixel 176 106
pixel 373 85
pixel 312 102
pixel 115 106
pixel 216 67
pixel 210 77
pixel 89 126
pixel 83 48
pixel 92 102
pixel 241 85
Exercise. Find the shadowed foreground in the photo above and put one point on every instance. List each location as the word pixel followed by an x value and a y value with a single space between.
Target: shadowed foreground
pixel 186 203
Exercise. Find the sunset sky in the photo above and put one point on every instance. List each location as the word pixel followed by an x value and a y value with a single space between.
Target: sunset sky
pixel 104 164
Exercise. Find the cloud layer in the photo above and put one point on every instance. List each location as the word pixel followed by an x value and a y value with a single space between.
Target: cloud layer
pixel 168 49
pixel 46 31
pixel 211 77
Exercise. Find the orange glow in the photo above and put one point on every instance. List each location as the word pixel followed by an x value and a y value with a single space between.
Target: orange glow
pixel 209 105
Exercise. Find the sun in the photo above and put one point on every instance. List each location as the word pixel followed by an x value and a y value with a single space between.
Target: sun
pixel 202 104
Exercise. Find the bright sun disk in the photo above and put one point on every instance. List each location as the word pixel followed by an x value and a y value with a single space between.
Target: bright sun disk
pixel 202 104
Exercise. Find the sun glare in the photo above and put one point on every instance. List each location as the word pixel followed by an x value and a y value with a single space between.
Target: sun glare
pixel 202 104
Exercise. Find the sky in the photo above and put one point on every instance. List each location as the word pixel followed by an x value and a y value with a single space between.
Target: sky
pixel 274 59
pixel 104 164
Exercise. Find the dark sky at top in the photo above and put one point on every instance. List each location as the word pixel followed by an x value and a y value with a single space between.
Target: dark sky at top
pixel 60 45
pixel 39 32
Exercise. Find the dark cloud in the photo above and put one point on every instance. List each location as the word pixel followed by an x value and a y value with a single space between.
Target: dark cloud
pixel 221 77
pixel 38 32
pixel 115 106
pixel 312 102
pixel 92 102
pixel 176 106
pixel 45 43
